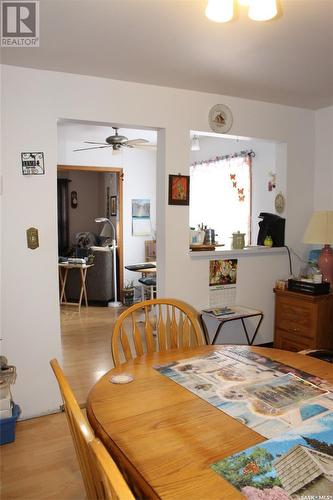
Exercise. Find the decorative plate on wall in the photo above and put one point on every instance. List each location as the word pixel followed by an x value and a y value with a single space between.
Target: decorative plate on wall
pixel 280 203
pixel 220 118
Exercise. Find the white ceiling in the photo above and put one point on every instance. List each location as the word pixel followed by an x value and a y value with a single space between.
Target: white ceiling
pixel 171 43
pixel 79 132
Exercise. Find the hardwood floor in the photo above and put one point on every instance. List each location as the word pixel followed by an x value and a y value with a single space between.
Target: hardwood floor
pixel 86 346
pixel 41 463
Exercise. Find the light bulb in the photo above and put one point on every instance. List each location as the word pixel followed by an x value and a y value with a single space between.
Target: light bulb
pixel 245 3
pixel 220 11
pixel 195 144
pixel 262 10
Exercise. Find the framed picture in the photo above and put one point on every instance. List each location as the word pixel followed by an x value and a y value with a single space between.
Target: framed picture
pixel 32 163
pixel 179 189
pixel 113 206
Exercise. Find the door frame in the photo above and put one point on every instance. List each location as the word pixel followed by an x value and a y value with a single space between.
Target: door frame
pixel 120 177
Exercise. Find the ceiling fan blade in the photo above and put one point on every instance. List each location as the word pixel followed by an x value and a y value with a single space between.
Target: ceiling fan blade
pixel 134 142
pixel 149 147
pixel 92 142
pixel 97 147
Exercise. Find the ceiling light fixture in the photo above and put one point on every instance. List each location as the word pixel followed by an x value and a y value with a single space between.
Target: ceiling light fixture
pixel 262 10
pixel 222 11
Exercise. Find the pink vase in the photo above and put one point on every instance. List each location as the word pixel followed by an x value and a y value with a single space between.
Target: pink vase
pixel 325 263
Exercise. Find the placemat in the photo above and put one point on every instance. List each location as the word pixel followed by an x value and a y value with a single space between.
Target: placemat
pixel 267 396
pixel 297 464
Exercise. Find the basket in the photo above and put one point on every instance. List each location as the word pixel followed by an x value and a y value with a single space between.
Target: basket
pixel 8 426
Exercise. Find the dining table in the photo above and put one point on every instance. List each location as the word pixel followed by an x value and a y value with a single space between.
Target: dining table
pixel 163 437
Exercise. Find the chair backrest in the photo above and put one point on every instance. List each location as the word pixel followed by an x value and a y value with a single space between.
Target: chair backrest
pixel 155 325
pixel 114 484
pixel 82 434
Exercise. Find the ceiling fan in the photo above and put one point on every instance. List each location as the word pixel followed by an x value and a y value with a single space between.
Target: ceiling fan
pixel 116 142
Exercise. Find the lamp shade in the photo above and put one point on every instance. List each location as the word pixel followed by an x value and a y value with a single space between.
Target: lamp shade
pixel 320 228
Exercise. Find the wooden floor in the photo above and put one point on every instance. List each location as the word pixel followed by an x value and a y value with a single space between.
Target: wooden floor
pixel 86 346
pixel 41 463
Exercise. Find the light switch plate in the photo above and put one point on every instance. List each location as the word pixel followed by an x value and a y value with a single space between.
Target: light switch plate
pixel 32 238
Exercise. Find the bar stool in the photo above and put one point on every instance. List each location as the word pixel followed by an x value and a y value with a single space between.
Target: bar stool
pixel 148 284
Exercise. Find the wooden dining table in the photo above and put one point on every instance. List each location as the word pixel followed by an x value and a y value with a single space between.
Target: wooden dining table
pixel 163 437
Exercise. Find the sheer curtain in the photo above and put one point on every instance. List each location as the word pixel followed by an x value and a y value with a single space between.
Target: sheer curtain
pixel 220 196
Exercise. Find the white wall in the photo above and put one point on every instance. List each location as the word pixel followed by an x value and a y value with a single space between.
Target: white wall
pixel 323 192
pixel 30 280
pixel 265 162
pixel 140 173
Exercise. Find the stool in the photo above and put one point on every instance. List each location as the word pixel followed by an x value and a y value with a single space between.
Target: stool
pixel 150 284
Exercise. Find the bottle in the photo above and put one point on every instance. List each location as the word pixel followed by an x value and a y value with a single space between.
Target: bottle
pixel 268 242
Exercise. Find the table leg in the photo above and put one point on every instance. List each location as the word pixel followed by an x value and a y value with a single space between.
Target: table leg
pixel 256 330
pixel 63 279
pixel 204 329
pixel 83 291
pixel 217 332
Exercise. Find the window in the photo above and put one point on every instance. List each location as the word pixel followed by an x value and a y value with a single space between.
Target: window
pixel 220 195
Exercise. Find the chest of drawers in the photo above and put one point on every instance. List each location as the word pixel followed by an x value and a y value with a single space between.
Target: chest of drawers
pixel 303 321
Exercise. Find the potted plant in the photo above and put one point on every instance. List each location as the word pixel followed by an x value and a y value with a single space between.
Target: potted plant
pixel 128 293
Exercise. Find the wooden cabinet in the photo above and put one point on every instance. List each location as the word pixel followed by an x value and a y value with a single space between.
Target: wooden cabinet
pixel 303 321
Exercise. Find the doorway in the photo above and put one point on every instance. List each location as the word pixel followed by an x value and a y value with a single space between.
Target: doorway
pixel 84 193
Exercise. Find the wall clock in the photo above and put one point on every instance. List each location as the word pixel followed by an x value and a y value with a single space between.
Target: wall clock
pixel 280 203
pixel 220 118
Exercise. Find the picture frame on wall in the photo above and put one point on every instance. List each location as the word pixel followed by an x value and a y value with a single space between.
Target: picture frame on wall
pixel 113 206
pixel 32 163
pixel 179 189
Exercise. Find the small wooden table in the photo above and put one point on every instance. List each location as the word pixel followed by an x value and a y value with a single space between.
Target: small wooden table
pixel 164 437
pixel 238 312
pixel 83 268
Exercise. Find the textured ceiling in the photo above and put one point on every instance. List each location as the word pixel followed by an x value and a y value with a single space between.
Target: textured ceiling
pixel 171 43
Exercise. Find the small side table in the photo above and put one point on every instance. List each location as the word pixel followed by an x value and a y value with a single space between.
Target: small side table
pixel 83 268
pixel 238 313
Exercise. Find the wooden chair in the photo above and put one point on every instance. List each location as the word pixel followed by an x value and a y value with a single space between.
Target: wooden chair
pixel 83 436
pixel 155 325
pixel 114 485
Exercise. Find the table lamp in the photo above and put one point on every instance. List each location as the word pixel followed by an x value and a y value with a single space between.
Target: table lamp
pixel 320 230
pixel 115 302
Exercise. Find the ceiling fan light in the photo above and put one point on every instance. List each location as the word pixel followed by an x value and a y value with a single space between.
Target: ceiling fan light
pixel 220 11
pixel 262 10
pixel 116 150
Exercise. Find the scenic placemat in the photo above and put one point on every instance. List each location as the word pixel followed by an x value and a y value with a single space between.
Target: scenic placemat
pixel 265 395
pixel 297 464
